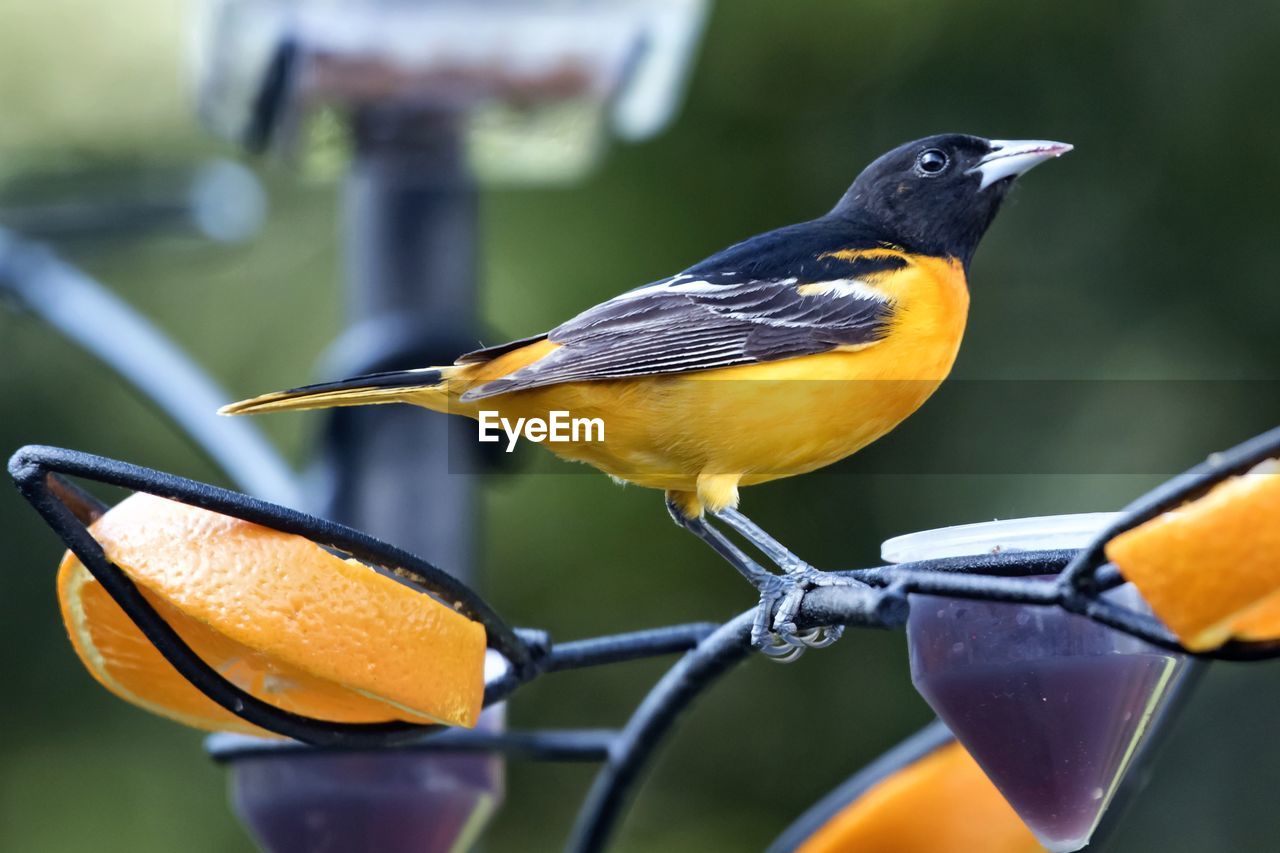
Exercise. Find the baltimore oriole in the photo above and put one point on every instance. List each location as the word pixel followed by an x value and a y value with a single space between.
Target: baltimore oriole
pixel 777 356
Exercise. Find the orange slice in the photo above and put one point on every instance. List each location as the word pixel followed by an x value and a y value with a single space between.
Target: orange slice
pixel 942 803
pixel 1211 568
pixel 275 614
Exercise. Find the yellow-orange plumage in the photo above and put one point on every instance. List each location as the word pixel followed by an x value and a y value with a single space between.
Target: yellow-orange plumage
pixel 701 434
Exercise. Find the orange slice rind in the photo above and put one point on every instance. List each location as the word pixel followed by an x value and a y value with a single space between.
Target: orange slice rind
pixel 275 614
pixel 941 803
pixel 1210 569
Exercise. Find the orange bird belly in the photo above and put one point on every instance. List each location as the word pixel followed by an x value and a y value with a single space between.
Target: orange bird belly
pixel 756 422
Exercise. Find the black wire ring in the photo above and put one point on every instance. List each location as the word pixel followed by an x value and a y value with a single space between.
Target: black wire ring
pixel 35 470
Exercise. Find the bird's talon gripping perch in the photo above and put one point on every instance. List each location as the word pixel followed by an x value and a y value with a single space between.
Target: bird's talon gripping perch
pixel 823 636
pixel 775 632
pixel 776 649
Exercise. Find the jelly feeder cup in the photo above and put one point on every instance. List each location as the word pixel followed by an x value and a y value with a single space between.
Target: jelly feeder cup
pixel 405 800
pixel 1054 707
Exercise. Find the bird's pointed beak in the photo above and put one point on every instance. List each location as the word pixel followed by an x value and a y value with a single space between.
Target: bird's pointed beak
pixel 1012 157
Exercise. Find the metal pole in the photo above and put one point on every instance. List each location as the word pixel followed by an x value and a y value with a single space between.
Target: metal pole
pixel 410 222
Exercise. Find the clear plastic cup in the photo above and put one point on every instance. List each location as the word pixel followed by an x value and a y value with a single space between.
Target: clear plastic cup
pixel 1053 706
pixel 1042 533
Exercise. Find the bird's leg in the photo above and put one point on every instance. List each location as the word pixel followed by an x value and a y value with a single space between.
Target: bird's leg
pixel 735 556
pixel 755 534
pixel 774 631
pixel 799 578
pixel 772 587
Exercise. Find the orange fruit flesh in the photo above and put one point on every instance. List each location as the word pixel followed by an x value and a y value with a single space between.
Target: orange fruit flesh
pixel 1211 569
pixel 942 803
pixel 276 615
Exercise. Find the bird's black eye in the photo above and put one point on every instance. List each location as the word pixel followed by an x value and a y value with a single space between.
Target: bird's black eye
pixel 932 162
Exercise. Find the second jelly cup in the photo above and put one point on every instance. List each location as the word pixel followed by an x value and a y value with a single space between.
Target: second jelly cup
pixel 1052 706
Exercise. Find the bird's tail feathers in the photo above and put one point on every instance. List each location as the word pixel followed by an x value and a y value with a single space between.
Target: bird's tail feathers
pixel 398 386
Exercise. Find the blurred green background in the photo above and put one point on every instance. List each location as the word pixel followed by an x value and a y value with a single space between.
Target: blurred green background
pixel 1146 254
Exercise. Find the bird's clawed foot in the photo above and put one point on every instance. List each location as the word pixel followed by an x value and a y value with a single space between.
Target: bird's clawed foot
pixel 774 631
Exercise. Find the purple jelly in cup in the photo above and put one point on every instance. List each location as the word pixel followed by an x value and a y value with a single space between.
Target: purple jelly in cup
pixel 1051 705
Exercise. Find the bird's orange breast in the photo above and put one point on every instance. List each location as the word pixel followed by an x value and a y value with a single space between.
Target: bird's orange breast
pixel 761 421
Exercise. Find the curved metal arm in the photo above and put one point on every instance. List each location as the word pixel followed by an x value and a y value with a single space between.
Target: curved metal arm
pixel 102 324
pixel 684 682
pixel 713 657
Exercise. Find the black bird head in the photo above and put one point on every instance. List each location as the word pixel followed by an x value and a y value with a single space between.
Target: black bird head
pixel 937 195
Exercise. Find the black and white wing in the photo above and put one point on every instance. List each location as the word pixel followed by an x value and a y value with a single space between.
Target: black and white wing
pixel 700 321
